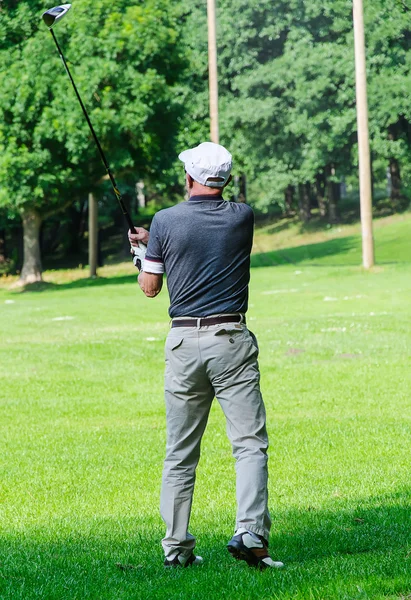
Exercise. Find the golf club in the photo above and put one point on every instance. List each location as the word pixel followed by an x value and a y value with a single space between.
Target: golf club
pixel 50 17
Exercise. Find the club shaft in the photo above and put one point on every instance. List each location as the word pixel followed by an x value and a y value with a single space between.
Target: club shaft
pixel 100 149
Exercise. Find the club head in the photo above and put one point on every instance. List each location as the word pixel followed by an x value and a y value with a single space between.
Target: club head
pixel 50 17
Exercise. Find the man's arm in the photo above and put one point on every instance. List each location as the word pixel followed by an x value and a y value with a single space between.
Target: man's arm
pixel 150 283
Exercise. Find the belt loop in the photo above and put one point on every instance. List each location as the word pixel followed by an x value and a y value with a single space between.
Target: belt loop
pixel 198 323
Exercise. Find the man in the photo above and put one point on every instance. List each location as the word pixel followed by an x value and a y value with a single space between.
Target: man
pixel 203 245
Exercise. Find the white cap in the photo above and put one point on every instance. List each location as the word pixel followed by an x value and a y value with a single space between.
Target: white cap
pixel 209 164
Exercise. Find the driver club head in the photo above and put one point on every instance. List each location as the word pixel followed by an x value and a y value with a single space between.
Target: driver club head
pixel 50 17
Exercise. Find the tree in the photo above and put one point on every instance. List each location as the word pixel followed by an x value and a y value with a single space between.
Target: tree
pixel 127 65
pixel 287 94
pixel 287 101
pixel 388 25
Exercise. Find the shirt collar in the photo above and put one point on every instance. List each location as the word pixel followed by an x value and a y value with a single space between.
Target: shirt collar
pixel 201 198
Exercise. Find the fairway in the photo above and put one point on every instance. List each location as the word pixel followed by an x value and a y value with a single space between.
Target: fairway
pixel 82 434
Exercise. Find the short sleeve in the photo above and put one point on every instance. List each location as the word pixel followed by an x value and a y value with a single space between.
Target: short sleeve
pixel 153 262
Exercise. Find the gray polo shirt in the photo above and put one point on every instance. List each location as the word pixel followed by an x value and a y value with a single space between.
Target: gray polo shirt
pixel 203 245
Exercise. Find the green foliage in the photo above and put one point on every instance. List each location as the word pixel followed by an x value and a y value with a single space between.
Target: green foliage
pixel 18 21
pixel 127 65
pixel 287 89
pixel 287 97
pixel 389 50
pixel 292 107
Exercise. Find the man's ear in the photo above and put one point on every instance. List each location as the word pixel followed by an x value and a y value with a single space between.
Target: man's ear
pixel 189 180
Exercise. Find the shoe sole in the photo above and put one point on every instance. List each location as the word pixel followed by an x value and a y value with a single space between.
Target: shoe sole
pixel 240 552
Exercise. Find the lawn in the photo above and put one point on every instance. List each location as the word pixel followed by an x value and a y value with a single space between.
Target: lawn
pixel 82 432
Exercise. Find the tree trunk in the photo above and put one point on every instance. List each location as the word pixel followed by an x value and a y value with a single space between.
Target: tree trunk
pixel 394 170
pixel 333 195
pixel 3 255
pixel 141 197
pixel 32 269
pixel 395 175
pixel 304 202
pixel 100 258
pixel 242 194
pixel 288 200
pixel 76 228
pixel 320 194
pixel 92 234
pixel 126 242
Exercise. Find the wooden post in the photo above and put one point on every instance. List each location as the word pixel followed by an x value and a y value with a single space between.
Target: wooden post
pixel 212 71
pixel 363 136
pixel 141 198
pixel 92 234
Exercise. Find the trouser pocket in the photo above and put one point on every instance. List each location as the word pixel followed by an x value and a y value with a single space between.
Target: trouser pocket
pixel 240 336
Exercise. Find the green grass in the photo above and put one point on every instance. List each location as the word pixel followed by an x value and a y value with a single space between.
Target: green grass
pixel 289 242
pixel 82 432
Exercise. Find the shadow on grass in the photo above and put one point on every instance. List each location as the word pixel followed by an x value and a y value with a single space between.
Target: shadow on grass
pixel 349 247
pixel 335 247
pixel 358 552
pixel 91 282
pixel 337 252
pixel 314 225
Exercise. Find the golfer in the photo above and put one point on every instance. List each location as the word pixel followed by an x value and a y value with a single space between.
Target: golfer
pixel 203 245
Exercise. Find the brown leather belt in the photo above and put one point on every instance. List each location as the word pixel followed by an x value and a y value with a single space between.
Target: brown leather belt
pixel 207 321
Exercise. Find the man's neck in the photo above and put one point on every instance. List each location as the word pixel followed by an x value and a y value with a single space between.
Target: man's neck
pixel 204 190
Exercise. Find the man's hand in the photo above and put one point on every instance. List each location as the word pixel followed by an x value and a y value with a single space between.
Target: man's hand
pixel 138 242
pixel 139 254
pixel 138 235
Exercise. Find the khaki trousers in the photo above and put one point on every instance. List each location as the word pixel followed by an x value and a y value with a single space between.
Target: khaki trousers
pixel 202 363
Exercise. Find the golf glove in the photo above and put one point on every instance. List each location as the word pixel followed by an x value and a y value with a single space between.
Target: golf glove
pixel 139 253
